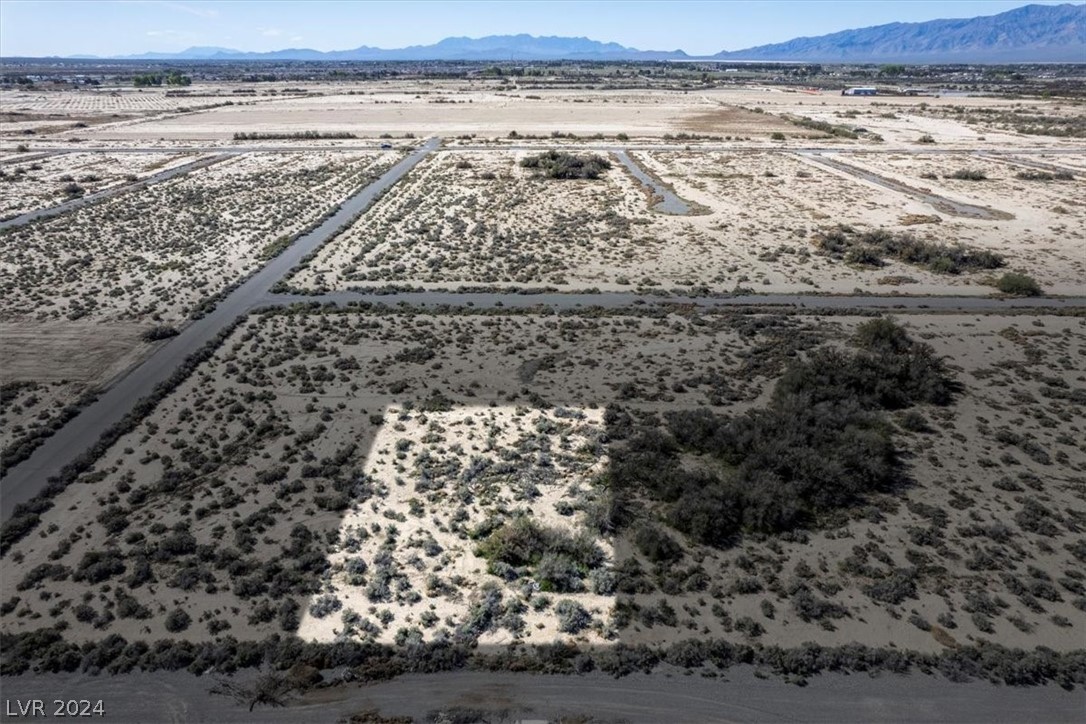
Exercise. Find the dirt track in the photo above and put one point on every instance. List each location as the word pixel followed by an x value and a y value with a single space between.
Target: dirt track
pixel 739 696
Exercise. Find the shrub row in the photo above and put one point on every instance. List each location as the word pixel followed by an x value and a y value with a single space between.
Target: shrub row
pixel 867 248
pixel 298 136
pixel 46 650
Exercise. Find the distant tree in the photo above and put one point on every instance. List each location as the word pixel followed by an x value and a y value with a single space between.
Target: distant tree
pixel 146 80
pixel 891 69
pixel 176 78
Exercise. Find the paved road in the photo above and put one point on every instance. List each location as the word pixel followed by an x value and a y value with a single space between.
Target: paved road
pixel 28 478
pixel 109 193
pixel 612 300
pixel 737 697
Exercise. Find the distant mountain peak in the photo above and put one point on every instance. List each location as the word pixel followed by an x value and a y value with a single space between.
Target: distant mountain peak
pixel 522 46
pixel 1032 33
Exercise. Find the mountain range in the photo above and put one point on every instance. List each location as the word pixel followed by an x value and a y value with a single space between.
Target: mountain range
pixel 1032 33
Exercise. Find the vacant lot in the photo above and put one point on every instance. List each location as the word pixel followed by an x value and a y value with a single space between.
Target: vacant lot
pixel 768 207
pixel 399 476
pixel 466 108
pixel 52 180
pixel 153 255
pixel 469 218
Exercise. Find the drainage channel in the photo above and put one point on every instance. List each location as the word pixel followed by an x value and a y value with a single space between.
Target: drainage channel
pixel 671 204
pixel 939 203
pixel 1028 163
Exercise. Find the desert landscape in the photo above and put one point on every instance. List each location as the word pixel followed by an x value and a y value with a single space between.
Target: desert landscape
pixel 408 505
pixel 565 368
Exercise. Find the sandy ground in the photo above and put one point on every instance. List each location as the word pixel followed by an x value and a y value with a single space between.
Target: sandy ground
pixel 475 217
pixel 85 285
pixel 44 373
pixel 154 254
pixel 479 218
pixel 765 204
pixel 229 498
pixel 489 109
pixel 465 110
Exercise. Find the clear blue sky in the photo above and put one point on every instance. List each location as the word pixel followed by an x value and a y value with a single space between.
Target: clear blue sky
pixel 118 27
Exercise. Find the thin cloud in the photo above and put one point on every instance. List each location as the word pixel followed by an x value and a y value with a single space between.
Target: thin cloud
pixel 200 12
pixel 271 32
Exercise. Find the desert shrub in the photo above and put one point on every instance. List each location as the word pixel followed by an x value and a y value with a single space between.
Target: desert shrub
pixel 1044 176
pixel 98 566
pixel 688 653
pixel 825 127
pixel 926 138
pixel 41 572
pixel 46 650
pixel 820 445
pixel 159 332
pixel 750 627
pixel 968 174
pixel 294 136
pixel 657 545
pixel 913 421
pixel 866 248
pixel 177 621
pixel 1019 285
pixel 558 573
pixel 562 165
pixel 560 560
pixel 572 616
pixel 895 588
pixel 810 607
pixel 325 606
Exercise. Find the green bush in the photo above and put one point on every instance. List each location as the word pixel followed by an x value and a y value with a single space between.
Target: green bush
pixel 821 444
pixel 968 174
pixel 560 559
pixel 1044 176
pixel 177 621
pixel 866 248
pixel 159 332
pixel 562 165
pixel 1020 285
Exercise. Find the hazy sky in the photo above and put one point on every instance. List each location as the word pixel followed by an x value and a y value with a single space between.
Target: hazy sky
pixel 117 27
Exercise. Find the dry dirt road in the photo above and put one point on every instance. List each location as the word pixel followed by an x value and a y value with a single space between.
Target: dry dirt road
pixel 739 696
